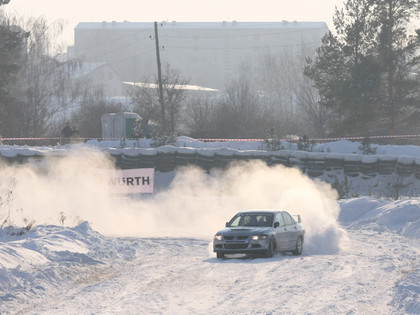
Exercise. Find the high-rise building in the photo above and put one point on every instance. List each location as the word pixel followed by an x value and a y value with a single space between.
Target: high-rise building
pixel 207 53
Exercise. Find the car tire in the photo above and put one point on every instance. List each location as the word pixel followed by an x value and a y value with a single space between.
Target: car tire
pixel 299 247
pixel 220 255
pixel 270 250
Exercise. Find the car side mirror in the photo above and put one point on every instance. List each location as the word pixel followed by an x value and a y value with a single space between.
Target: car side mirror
pixel 299 219
pixel 227 224
pixel 276 224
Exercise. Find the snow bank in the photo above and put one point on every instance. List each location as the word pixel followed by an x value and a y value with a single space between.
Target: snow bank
pixel 400 217
pixel 407 295
pixel 46 255
pixel 337 147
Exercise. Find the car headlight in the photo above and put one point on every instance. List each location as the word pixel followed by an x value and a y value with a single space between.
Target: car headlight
pixel 258 237
pixel 218 237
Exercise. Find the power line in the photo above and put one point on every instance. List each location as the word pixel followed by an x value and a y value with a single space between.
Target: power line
pixel 108 41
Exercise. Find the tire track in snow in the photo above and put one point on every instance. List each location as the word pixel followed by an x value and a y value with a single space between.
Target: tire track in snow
pixel 180 276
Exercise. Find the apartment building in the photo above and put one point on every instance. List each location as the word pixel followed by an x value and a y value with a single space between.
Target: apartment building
pixel 209 54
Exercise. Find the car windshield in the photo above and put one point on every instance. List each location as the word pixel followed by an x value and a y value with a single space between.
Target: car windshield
pixel 252 219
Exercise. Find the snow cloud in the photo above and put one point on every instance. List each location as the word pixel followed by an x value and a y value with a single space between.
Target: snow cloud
pixel 196 204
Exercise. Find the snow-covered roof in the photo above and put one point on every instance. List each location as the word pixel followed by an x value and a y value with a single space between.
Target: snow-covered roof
pixel 177 86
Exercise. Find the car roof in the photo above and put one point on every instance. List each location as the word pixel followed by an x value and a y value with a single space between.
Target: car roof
pixel 259 211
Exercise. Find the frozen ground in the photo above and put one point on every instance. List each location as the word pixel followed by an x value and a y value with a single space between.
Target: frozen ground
pixel 92 253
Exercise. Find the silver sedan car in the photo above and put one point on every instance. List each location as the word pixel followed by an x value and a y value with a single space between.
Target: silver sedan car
pixel 260 232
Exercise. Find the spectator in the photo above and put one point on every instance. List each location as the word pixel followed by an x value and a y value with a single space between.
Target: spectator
pixel 68 132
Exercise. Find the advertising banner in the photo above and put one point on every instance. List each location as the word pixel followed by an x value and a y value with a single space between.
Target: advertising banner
pixel 130 181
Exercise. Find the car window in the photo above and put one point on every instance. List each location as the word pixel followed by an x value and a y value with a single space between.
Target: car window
pixel 291 218
pixel 235 221
pixel 252 219
pixel 288 220
pixel 279 219
pixel 265 220
pixel 249 220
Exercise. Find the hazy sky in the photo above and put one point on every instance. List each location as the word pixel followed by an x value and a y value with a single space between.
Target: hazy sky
pixel 74 11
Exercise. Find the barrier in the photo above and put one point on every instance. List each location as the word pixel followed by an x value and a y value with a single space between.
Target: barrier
pixel 369 167
pixel 364 174
pixel 168 158
pixel 312 163
pixel 352 165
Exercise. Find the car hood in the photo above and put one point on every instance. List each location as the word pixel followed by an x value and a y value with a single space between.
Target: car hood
pixel 242 230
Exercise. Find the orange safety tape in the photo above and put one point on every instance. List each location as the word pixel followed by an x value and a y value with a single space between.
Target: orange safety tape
pixel 218 139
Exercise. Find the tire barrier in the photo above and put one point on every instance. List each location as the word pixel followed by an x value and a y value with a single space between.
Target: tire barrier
pixel 370 166
pixel 386 165
pixel 417 169
pixel 334 162
pixel 405 166
pixel 352 165
pixel 314 164
pixel 185 157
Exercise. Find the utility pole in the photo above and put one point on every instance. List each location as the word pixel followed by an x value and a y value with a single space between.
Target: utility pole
pixel 161 100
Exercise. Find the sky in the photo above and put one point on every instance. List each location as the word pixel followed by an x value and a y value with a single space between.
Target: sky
pixel 74 11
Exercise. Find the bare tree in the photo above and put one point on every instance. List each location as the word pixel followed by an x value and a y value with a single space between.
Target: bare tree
pixel 199 117
pixel 236 114
pixel 174 94
pixel 7 185
pixel 46 79
pixel 316 116
pixel 145 99
pixel 285 93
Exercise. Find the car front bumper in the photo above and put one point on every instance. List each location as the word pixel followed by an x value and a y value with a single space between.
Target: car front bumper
pixel 240 247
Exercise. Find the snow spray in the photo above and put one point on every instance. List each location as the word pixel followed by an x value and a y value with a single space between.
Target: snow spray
pixel 195 205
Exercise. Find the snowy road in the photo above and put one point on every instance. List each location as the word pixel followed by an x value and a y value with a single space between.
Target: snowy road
pixel 182 276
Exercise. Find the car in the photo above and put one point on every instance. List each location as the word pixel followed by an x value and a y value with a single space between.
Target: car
pixel 260 232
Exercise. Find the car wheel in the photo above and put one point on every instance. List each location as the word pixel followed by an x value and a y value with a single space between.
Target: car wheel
pixel 220 255
pixel 270 250
pixel 299 247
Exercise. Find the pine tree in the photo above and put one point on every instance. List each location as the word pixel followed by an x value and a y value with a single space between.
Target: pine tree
pixel 339 68
pixel 11 48
pixel 397 55
pixel 362 69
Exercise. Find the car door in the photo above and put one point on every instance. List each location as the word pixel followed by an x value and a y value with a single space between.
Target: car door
pixel 292 232
pixel 280 232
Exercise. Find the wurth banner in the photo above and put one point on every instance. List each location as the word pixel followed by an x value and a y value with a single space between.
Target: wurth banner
pixel 132 181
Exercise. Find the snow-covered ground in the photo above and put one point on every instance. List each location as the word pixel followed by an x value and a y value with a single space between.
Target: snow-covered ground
pixel 90 252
